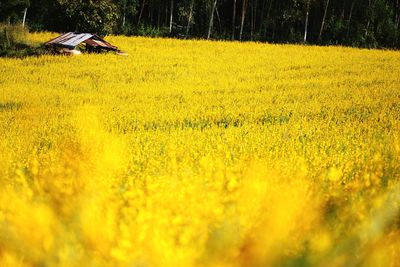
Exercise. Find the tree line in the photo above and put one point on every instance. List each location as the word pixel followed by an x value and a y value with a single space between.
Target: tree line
pixel 362 23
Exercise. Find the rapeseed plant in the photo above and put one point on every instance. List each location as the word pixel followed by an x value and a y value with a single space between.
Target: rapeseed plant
pixel 198 153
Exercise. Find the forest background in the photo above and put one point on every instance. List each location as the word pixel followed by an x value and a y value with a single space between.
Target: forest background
pixel 360 23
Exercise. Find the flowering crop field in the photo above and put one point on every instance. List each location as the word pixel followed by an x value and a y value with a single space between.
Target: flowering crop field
pixel 197 153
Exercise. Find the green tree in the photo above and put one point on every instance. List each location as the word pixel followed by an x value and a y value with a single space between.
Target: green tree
pixel 127 10
pixel 96 16
pixel 11 10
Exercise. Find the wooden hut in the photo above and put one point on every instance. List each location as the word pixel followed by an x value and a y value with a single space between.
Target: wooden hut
pixel 69 42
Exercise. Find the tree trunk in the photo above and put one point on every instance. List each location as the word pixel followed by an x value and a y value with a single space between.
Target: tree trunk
pixel 24 18
pixel 349 20
pixel 306 23
pixel 343 10
pixel 253 20
pixel 166 15
pixel 211 20
pixel 159 17
pixel 255 2
pixel 323 20
pixel 233 19
pixel 368 20
pixel 273 32
pixel 262 17
pixel 190 18
pixel 171 16
pixel 266 20
pixel 397 20
pixel 219 20
pixel 123 15
pixel 244 7
pixel 141 12
pixel 151 12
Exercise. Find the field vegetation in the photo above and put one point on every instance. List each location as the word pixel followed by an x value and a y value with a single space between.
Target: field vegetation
pixel 200 153
pixel 14 42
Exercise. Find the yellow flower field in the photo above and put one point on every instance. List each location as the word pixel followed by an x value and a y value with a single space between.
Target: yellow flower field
pixel 198 153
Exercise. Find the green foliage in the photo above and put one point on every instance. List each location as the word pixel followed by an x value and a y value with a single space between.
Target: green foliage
pixel 11 35
pixel 13 42
pixel 9 9
pixel 151 31
pixel 365 23
pixel 384 28
pixel 91 16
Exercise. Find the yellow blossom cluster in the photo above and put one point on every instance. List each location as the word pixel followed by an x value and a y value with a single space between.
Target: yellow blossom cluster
pixel 198 153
